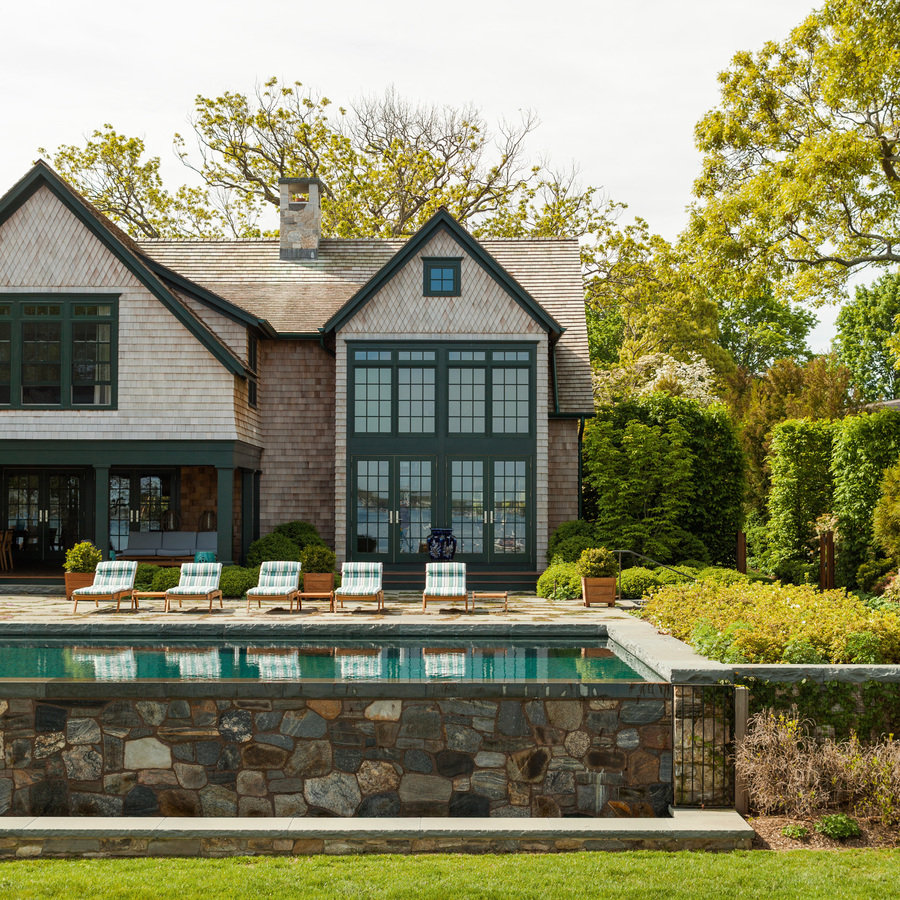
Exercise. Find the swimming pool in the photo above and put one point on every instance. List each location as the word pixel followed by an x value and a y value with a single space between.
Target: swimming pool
pixel 396 661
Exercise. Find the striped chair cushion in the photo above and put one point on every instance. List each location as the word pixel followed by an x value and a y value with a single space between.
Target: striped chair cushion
pixel 360 579
pixel 445 579
pixel 198 578
pixel 277 578
pixel 110 578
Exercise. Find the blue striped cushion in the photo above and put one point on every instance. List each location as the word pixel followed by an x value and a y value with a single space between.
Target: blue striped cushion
pixel 198 578
pixel 360 579
pixel 277 578
pixel 445 579
pixel 110 578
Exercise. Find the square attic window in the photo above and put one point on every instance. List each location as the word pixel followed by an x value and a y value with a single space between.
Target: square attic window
pixel 441 277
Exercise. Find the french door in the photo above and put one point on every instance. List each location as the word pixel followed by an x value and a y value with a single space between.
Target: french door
pixel 47 510
pixel 392 506
pixel 396 500
pixel 137 502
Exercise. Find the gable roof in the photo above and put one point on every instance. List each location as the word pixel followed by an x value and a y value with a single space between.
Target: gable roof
pixel 124 248
pixel 442 220
pixel 298 297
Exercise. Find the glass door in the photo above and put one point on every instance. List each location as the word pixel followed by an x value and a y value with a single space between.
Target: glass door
pixel 491 513
pixel 47 512
pixel 137 502
pixel 392 500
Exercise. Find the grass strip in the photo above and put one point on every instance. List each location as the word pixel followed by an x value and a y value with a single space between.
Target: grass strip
pixel 635 874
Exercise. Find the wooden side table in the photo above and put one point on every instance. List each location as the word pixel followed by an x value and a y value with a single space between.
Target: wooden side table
pixel 491 595
pixel 146 595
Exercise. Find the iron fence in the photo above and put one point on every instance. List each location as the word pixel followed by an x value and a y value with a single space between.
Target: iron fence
pixel 703 735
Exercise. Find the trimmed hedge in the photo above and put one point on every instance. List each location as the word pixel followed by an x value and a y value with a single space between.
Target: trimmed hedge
pixel 273 546
pixel 559 582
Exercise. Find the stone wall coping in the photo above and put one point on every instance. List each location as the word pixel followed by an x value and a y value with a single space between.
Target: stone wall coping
pixel 683 824
pixel 62 690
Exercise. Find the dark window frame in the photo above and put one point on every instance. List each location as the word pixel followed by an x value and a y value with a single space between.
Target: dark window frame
pixel 17 317
pixel 430 263
pixel 253 366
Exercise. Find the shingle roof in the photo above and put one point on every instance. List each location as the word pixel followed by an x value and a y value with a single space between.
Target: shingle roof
pixel 298 297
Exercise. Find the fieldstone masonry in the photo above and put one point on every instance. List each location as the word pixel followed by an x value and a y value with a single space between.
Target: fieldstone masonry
pixel 349 756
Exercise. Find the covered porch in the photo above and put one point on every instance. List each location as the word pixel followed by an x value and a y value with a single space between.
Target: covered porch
pixel 55 493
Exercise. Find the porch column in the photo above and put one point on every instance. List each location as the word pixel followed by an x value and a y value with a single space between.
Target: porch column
pixel 225 512
pixel 101 509
pixel 249 509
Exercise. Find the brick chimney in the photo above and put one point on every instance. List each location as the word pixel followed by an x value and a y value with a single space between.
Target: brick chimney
pixel 301 217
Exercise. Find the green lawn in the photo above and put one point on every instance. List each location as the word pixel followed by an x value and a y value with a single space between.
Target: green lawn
pixel 801 873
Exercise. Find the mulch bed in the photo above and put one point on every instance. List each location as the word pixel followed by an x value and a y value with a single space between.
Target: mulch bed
pixel 769 836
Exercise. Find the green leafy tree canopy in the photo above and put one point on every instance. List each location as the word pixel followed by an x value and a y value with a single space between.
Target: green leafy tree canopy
pixel 801 175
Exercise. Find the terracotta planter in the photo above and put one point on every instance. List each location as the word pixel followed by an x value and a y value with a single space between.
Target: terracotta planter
pixel 75 580
pixel 598 590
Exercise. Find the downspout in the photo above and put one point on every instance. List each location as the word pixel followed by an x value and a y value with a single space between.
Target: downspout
pixel 327 349
pixel 582 420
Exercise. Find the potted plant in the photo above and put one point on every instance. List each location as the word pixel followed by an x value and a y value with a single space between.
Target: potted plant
pixel 598 570
pixel 80 565
pixel 317 564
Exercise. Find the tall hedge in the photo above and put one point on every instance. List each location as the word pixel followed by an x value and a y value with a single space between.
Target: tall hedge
pixel 802 486
pixel 664 476
pixel 864 447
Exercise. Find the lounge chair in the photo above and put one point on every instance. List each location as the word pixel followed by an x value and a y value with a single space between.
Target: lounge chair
pixel 445 582
pixel 279 580
pixel 196 664
pixel 361 581
pixel 109 665
pixel 198 581
pixel 113 580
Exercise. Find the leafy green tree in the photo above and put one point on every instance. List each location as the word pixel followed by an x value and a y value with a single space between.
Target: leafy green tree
pixel 866 341
pixel 650 483
pixel 818 389
pixel 800 184
pixel 886 517
pixel 387 166
pixel 802 487
pixel 758 329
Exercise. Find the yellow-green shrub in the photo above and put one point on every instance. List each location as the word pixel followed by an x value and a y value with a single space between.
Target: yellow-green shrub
pixel 771 616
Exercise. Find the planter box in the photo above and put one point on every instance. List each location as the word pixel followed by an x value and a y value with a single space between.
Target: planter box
pixel 598 590
pixel 75 580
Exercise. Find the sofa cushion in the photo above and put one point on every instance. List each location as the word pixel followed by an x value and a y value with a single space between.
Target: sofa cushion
pixel 143 543
pixel 178 543
pixel 207 541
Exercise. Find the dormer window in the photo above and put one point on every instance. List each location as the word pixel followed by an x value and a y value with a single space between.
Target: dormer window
pixel 441 277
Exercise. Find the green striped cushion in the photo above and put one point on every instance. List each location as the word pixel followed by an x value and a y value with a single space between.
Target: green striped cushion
pixel 198 578
pixel 360 579
pixel 277 578
pixel 110 578
pixel 445 579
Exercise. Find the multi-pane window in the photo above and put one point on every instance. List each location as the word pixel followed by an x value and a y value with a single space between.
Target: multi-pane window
pixel 466 400
pixel 510 505
pixel 415 400
pixel 57 353
pixel 253 366
pixel 449 390
pixel 441 277
pixel 372 399
pixel 510 400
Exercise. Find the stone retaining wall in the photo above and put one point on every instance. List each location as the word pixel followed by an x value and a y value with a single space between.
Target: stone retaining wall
pixel 346 756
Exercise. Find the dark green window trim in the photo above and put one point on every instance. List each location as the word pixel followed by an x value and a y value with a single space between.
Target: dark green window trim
pixel 69 311
pixel 253 366
pixel 379 355
pixel 441 276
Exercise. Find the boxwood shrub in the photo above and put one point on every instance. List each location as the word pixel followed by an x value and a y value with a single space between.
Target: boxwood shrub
pixel 273 546
pixel 559 581
pixel 236 580
pixel 637 581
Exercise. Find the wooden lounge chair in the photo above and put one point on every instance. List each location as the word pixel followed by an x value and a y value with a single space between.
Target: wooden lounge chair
pixel 113 580
pixel 277 580
pixel 198 581
pixel 361 581
pixel 445 582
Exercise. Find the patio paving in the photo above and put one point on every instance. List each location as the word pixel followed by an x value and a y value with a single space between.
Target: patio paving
pixel 53 609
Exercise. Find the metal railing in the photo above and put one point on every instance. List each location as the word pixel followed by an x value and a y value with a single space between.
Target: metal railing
pixel 703 738
pixel 648 559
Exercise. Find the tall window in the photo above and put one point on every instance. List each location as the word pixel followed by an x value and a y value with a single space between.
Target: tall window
pixel 58 352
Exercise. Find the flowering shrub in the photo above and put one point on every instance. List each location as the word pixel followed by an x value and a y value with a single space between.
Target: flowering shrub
pixel 770 623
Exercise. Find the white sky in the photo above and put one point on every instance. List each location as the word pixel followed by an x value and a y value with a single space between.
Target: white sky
pixel 618 86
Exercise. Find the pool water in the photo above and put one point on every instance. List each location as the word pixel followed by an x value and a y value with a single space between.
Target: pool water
pixel 395 661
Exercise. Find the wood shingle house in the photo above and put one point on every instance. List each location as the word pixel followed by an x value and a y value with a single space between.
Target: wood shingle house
pixel 377 388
